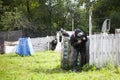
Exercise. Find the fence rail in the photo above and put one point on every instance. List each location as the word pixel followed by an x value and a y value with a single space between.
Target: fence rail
pixel 104 49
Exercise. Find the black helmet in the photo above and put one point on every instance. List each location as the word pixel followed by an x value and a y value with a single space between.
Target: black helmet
pixel 78 33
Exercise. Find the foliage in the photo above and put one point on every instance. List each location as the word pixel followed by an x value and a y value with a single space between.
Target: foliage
pixel 105 9
pixel 46 66
pixel 46 16
pixel 88 67
pixel 9 19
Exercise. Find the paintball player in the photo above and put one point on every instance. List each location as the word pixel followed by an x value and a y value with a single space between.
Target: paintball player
pixel 53 44
pixel 78 40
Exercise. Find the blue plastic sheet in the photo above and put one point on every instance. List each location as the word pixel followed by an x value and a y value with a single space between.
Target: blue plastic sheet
pixel 24 47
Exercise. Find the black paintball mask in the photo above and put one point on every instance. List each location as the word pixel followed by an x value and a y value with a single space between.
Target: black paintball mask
pixel 79 33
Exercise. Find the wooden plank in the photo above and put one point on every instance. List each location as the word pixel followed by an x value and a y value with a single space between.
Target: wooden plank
pixel 103 49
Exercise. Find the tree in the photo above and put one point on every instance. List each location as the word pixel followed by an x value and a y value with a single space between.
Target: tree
pixel 104 9
pixel 43 17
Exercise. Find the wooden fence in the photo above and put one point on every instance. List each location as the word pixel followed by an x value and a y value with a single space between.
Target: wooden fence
pixel 104 49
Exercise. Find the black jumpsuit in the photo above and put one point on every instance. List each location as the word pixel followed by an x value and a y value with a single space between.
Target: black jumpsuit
pixel 78 48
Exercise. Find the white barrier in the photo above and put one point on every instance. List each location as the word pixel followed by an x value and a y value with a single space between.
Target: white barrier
pixel 39 44
pixel 10 47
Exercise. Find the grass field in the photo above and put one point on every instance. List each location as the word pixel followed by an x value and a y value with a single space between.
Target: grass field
pixel 46 66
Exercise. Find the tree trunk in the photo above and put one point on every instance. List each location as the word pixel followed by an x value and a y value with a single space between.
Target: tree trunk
pixel 28 9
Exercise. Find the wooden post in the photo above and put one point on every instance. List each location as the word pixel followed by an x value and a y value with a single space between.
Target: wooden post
pixel 2 46
pixel 90 21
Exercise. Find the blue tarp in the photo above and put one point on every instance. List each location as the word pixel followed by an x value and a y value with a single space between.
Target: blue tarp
pixel 24 47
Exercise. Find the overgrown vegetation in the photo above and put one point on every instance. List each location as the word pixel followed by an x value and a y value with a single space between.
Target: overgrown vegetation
pixel 105 9
pixel 46 66
pixel 45 17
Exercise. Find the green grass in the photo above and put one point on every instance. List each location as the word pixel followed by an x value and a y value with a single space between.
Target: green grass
pixel 46 66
